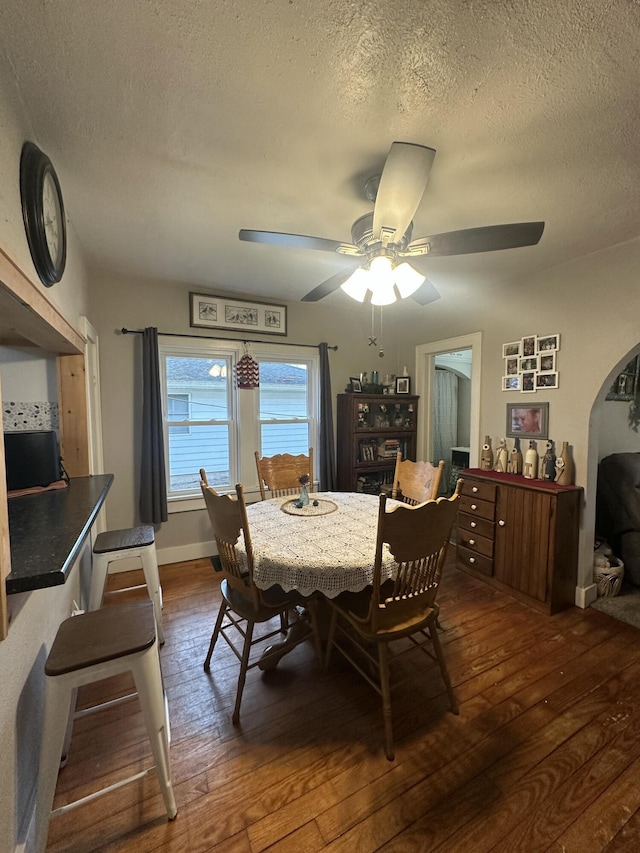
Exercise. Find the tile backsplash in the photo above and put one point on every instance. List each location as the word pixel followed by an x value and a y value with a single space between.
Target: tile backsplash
pixel 21 416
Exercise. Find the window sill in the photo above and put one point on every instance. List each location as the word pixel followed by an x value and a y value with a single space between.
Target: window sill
pixel 196 502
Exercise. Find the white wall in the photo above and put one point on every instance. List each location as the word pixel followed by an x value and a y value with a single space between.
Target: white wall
pixel 34 617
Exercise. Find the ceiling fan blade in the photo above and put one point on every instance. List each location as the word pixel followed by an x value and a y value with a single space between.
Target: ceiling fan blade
pixel 328 286
pixel 471 240
pixel 402 185
pixel 426 293
pixel 297 241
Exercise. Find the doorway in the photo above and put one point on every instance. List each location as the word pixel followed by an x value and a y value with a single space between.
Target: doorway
pixel 448 381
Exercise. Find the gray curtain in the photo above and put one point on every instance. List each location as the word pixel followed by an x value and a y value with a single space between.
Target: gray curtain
pixel 327 452
pixel 445 422
pixel 153 483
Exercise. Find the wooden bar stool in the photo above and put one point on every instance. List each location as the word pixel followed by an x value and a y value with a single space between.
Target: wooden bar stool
pixel 115 545
pixel 88 648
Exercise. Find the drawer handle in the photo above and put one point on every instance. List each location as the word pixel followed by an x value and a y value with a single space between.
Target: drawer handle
pixel 474 506
pixel 501 523
pixel 474 489
pixel 474 524
pixel 472 559
pixel 472 541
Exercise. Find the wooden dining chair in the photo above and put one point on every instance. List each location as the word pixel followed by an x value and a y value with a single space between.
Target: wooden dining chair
pixel 416 482
pixel 279 474
pixel 365 625
pixel 243 605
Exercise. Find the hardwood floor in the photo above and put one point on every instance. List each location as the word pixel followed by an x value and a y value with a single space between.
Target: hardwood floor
pixel 544 756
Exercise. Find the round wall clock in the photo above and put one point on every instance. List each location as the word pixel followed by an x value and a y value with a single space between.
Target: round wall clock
pixel 43 214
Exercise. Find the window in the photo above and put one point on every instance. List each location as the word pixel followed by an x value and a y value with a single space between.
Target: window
pixel 211 424
pixel 284 408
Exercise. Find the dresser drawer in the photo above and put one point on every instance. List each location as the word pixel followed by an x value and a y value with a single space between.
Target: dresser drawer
pixel 475 488
pixel 475 524
pixel 472 505
pixel 473 560
pixel 479 544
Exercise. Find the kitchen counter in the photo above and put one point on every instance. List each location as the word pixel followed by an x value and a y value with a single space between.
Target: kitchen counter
pixel 48 529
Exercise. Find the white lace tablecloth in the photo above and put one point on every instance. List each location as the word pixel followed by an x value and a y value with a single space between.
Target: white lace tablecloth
pixel 327 553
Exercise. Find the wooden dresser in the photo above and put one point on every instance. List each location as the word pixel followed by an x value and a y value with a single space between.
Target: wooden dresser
pixel 521 536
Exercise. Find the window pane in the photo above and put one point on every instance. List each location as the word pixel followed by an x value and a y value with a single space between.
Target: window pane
pixel 198 390
pixel 205 380
pixel 205 447
pixel 284 438
pixel 283 391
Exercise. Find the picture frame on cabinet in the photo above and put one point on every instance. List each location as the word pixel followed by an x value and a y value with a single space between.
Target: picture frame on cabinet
pixel 511 383
pixel 403 384
pixel 356 385
pixel 511 349
pixel 527 421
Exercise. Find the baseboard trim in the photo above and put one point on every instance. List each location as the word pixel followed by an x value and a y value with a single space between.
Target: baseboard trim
pixel 586 595
pixel 180 553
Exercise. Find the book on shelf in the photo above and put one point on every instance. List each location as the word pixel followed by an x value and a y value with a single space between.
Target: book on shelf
pixel 388 448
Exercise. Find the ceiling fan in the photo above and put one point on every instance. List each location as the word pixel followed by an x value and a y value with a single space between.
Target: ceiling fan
pixel 382 240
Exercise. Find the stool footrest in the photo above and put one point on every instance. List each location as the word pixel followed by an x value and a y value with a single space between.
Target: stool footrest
pixel 90 797
pixel 110 704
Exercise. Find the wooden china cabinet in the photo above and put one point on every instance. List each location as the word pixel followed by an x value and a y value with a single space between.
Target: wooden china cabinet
pixel 521 536
pixel 371 430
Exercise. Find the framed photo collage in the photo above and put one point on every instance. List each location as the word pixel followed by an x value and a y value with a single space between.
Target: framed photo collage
pixel 530 364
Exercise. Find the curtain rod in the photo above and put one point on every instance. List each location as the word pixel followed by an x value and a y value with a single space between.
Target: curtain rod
pixel 223 338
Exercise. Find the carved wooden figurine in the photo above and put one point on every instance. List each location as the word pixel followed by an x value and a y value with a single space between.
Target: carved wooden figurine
pixel 515 459
pixel 502 456
pixel 531 461
pixel 548 463
pixel 486 457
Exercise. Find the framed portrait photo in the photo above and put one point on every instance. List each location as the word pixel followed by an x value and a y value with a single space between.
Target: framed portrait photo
pixel 511 349
pixel 548 343
pixel 525 421
pixel 511 365
pixel 356 385
pixel 511 383
pixel 529 363
pixel 528 346
pixel 546 380
pixel 528 382
pixel 238 315
pixel 403 384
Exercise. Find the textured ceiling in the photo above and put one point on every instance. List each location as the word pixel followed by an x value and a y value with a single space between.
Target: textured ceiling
pixel 174 123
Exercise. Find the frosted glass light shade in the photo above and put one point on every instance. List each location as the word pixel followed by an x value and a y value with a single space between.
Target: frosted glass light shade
pixel 407 279
pixel 384 294
pixel 356 285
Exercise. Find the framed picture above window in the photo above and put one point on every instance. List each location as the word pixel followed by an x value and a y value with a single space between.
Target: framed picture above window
pixel 238 315
pixel 524 421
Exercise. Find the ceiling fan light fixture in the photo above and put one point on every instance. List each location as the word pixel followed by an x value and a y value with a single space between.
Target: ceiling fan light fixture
pixel 384 294
pixel 407 279
pixel 357 284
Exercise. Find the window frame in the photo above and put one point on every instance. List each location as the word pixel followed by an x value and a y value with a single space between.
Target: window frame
pixel 244 411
